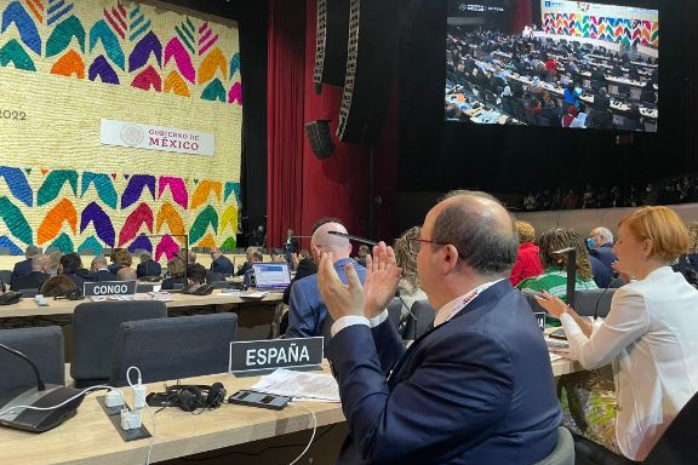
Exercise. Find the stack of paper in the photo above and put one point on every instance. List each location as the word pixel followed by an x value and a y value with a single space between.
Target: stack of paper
pixel 296 384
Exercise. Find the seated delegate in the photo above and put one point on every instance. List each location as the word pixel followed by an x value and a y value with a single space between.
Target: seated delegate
pixel 649 334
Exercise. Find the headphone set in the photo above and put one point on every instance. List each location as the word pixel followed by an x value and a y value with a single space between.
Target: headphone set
pixel 189 397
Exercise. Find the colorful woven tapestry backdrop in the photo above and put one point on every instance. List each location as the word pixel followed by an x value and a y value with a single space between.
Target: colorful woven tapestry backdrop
pixel 634 26
pixel 66 68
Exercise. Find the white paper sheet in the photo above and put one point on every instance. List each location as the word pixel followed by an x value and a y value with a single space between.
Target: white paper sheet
pixel 311 386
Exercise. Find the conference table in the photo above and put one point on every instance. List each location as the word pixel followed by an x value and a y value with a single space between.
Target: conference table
pixel 258 317
pixel 29 308
pixel 90 437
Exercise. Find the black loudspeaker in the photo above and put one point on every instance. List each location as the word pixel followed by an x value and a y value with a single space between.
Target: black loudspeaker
pixel 320 138
pixel 371 63
pixel 331 35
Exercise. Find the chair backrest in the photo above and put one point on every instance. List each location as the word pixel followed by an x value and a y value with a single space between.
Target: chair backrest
pixel 43 346
pixel 212 277
pixel 531 298
pixel 29 293
pixel 586 302
pixel 676 447
pixel 221 284
pixel 6 276
pixel 95 325
pixel 171 348
pixel 563 454
pixel 421 317
pixel 144 288
pixel 395 311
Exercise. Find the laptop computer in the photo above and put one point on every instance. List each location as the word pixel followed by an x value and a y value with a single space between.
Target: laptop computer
pixel 271 276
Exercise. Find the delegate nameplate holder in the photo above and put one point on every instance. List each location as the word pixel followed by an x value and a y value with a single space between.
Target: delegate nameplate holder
pixel 102 288
pixel 265 355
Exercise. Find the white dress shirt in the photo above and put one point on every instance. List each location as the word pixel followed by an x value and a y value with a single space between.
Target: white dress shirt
pixel 444 314
pixel 651 336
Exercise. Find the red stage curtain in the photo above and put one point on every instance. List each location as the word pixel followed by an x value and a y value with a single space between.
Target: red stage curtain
pixel 521 16
pixel 285 133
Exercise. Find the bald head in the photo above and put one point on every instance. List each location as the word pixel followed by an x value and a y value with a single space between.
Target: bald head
pixel 479 227
pixel 126 274
pixel 322 241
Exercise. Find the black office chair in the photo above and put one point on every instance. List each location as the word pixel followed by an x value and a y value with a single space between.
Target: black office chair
pixel 29 293
pixel 420 320
pixel 6 276
pixel 43 346
pixel 213 276
pixel 144 288
pixel 95 325
pixel 594 301
pixel 395 312
pixel 172 348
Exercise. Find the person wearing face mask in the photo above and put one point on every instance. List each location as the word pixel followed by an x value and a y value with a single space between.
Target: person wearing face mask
pixel 648 337
pixel 601 256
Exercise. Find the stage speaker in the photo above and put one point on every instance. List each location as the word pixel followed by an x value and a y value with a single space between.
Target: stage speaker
pixel 320 138
pixel 331 35
pixel 370 68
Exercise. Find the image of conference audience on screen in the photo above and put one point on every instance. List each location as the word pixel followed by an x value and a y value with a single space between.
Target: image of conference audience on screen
pixel 558 64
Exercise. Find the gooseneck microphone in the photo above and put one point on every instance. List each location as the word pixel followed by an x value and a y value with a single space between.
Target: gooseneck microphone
pixel 48 408
pixel 39 382
pixel 358 239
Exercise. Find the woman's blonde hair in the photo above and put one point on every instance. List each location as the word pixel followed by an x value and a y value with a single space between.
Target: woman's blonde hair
pixel 526 231
pixel 176 267
pixel 561 238
pixel 406 259
pixel 123 258
pixel 663 227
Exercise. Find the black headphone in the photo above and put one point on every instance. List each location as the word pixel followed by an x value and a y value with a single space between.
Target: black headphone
pixel 189 397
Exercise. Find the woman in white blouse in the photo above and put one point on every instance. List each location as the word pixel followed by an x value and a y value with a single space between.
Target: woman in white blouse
pixel 650 334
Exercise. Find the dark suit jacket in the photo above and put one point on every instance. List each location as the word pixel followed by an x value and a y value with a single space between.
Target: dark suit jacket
pixel 33 280
pixel 476 390
pixel 243 269
pixel 602 275
pixel 149 268
pixel 103 275
pixel 306 267
pixel 605 254
pixel 22 268
pixel 307 311
pixel 222 265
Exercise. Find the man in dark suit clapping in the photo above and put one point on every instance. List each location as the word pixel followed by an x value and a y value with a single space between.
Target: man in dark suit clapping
pixel 477 388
